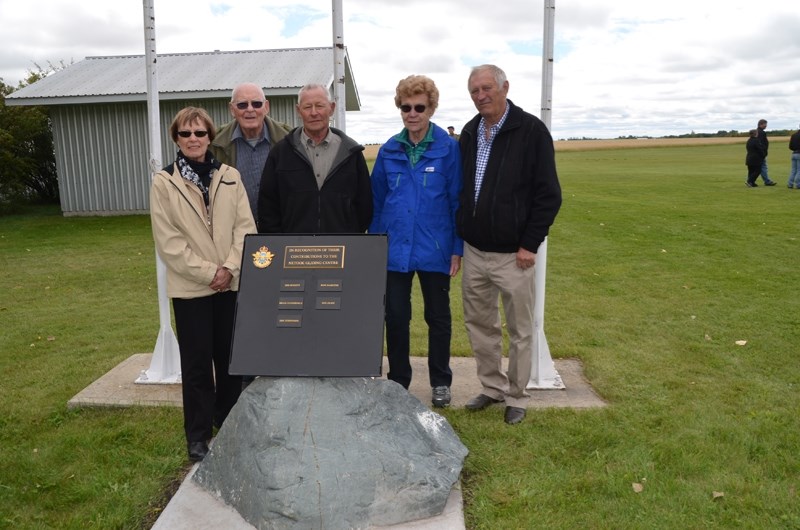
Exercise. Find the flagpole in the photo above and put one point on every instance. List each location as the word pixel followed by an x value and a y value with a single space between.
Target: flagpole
pixel 338 66
pixel 165 366
pixel 543 371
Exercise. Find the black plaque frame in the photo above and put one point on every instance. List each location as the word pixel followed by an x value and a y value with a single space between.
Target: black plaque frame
pixel 310 306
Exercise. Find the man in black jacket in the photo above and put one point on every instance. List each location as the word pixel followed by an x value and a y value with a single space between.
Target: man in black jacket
pixel 510 197
pixel 762 137
pixel 794 173
pixel 316 179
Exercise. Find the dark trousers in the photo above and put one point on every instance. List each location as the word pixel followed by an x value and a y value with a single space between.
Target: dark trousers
pixel 436 297
pixel 205 330
pixel 752 173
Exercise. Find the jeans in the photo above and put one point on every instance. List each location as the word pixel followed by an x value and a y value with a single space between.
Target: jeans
pixel 794 174
pixel 436 297
pixel 764 174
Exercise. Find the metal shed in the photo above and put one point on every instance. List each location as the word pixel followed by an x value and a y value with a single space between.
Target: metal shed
pixel 99 113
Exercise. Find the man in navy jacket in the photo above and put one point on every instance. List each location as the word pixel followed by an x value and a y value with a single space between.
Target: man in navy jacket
pixel 510 197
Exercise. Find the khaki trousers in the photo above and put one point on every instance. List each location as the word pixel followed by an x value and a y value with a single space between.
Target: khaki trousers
pixel 488 277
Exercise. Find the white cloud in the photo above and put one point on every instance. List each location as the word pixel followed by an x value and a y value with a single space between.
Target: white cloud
pixel 623 67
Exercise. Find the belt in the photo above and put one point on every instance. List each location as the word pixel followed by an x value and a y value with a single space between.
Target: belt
pixel 796 152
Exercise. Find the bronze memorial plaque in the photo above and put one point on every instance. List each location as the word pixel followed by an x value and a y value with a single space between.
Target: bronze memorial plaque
pixel 310 306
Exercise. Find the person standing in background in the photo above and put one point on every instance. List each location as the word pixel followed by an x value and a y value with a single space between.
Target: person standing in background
pixel 794 173
pixel 415 185
pixel 244 142
pixel 754 159
pixel 762 137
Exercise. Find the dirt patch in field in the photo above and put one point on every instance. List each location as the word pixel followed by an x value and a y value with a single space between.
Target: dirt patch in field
pixel 371 151
pixel 589 145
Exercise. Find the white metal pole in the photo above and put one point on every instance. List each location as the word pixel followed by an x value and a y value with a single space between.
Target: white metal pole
pixel 338 66
pixel 543 371
pixel 165 365
pixel 547 62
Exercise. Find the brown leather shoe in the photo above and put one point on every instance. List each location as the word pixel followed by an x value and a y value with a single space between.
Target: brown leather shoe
pixel 514 415
pixel 481 401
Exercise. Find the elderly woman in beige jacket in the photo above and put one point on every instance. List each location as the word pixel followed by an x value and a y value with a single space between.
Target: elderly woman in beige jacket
pixel 200 215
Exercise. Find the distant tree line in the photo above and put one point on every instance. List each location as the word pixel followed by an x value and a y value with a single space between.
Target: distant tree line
pixel 27 157
pixel 732 134
pixel 719 134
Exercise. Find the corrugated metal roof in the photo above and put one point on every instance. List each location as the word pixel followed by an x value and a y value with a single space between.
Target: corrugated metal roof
pixel 186 75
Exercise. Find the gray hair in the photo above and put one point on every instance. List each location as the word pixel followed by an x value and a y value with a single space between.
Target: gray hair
pixel 249 85
pixel 498 74
pixel 313 86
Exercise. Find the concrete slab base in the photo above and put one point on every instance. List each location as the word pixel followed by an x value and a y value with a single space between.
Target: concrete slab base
pixel 182 512
pixel 117 388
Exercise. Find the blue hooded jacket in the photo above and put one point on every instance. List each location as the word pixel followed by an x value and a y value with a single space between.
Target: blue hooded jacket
pixel 416 205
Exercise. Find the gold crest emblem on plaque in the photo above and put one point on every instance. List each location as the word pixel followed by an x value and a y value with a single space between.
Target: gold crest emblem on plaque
pixel 263 258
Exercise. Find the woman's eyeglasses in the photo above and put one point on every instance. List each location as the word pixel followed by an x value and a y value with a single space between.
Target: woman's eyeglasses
pixel 187 134
pixel 242 105
pixel 419 108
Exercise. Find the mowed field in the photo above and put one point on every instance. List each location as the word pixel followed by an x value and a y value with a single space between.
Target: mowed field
pixel 371 151
pixel 671 282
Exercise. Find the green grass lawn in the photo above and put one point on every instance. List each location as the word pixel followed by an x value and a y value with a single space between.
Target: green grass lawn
pixel 659 261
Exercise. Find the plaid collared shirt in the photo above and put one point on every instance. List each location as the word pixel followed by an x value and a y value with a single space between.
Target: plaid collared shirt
pixel 250 159
pixel 485 148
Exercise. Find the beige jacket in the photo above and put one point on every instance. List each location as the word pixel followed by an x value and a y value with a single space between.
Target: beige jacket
pixel 194 240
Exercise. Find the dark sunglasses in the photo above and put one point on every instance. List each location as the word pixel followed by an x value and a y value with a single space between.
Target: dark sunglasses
pixel 419 108
pixel 242 105
pixel 187 134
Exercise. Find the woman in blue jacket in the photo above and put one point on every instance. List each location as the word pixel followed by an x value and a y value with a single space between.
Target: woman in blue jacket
pixel 415 185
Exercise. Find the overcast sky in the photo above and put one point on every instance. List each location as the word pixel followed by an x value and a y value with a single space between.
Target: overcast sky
pixel 622 67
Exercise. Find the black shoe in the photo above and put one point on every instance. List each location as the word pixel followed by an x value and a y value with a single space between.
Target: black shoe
pixel 440 396
pixel 750 184
pixel 770 183
pixel 514 415
pixel 197 451
pixel 481 401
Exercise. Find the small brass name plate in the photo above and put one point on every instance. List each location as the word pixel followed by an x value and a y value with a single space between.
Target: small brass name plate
pixel 290 302
pixel 329 302
pixel 293 285
pixel 329 286
pixel 290 321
